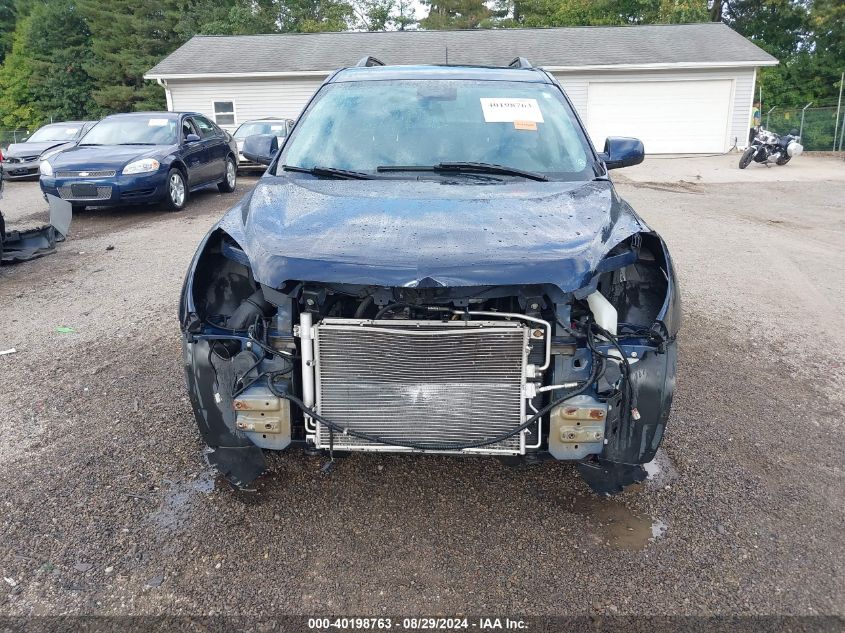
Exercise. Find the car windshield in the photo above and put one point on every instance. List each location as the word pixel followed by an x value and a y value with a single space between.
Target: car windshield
pixel 55 132
pixel 367 125
pixel 134 130
pixel 261 127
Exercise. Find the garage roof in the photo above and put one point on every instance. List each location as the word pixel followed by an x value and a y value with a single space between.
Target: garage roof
pixel 573 48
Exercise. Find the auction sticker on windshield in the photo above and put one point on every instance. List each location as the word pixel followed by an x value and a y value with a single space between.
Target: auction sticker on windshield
pixel 502 110
pixel 157 122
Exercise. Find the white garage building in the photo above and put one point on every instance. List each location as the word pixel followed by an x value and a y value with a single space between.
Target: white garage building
pixel 680 88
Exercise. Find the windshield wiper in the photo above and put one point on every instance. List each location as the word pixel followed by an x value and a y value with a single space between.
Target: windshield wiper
pixel 478 168
pixel 329 172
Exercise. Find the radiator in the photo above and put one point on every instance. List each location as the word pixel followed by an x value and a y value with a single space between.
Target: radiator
pixel 432 383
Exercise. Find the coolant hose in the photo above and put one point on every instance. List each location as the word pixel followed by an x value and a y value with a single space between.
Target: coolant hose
pixel 253 307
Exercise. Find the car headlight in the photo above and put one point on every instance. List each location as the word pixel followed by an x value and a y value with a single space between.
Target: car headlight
pixel 45 168
pixel 50 154
pixel 142 166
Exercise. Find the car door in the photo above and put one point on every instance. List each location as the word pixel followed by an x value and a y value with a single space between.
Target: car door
pixel 216 146
pixel 195 154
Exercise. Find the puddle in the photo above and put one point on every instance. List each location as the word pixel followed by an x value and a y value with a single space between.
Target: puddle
pixel 178 497
pixel 617 525
pixel 660 472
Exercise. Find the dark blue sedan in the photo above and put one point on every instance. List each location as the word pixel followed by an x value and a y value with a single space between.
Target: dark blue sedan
pixel 143 158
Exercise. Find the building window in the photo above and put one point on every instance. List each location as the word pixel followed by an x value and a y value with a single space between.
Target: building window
pixel 224 112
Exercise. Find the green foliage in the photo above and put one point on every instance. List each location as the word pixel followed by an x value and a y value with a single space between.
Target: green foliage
pixel 536 13
pixel 127 39
pixel 8 16
pixel 314 16
pixel 373 15
pixel 403 16
pixel 807 37
pixel 455 14
pixel 224 17
pixel 17 107
pixel 59 47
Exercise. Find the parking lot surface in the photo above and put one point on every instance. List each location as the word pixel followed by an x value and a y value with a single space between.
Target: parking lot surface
pixel 109 508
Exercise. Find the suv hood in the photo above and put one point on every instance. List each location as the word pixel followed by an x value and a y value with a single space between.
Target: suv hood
pixel 409 233
pixel 18 150
pixel 104 156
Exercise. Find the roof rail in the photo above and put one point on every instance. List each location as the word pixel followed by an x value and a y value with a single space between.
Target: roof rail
pixel 520 62
pixel 368 61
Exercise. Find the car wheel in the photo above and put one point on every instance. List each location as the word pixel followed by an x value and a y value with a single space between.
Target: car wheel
pixel 746 157
pixel 177 190
pixel 227 185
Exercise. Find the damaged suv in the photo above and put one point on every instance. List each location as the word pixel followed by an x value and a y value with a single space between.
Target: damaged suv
pixel 435 261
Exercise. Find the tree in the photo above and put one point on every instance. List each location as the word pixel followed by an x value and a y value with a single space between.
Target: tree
pixel 533 13
pixel 17 108
pixel 59 46
pixel 313 16
pixel 127 39
pixel 404 15
pixel 808 38
pixel 682 11
pixel 8 17
pixel 225 17
pixel 372 15
pixel 455 14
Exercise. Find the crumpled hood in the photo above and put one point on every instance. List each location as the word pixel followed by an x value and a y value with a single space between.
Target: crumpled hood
pixel 105 156
pixel 17 150
pixel 408 233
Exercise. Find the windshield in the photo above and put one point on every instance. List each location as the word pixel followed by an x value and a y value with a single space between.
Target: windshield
pixel 133 130
pixel 261 127
pixel 365 125
pixel 57 132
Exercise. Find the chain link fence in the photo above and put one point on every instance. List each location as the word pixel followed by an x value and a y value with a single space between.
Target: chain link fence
pixel 819 128
pixel 7 137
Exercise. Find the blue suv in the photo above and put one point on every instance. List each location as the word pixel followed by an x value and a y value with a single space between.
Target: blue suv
pixel 143 158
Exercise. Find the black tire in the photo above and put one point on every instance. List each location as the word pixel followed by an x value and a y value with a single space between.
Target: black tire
pixel 746 157
pixel 230 178
pixel 783 160
pixel 176 196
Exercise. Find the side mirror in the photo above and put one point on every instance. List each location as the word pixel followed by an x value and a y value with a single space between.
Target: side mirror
pixel 261 148
pixel 620 151
pixel 192 138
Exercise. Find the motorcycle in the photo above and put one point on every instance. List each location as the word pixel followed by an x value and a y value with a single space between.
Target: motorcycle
pixel 768 147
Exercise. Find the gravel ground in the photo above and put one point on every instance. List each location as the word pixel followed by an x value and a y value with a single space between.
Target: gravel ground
pixel 108 507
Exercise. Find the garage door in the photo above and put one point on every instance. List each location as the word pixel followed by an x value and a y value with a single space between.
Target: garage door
pixel 668 116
